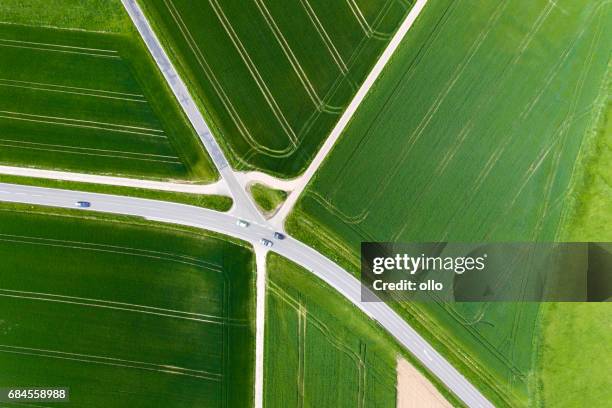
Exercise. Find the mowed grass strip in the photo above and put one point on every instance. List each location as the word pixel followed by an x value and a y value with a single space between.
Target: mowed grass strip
pixel 273 76
pixel 124 312
pixel 475 132
pixel 320 350
pixel 268 199
pixel 91 102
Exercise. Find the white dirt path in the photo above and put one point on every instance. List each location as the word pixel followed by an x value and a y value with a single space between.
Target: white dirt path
pixel 260 319
pixel 301 182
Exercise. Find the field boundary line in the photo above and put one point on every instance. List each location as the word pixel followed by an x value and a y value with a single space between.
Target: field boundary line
pixel 85 248
pixel 90 149
pixel 58 45
pixel 97 93
pixel 329 44
pixel 61 51
pixel 74 88
pixel 81 126
pixel 84 121
pixel 123 309
pixel 199 262
pixel 18 146
pixel 110 302
pixel 88 358
pixel 369 29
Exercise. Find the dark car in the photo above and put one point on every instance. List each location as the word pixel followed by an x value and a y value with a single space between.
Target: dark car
pixel 83 204
pixel 278 235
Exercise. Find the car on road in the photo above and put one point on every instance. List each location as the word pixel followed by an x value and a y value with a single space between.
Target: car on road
pixel 83 204
pixel 242 223
pixel 279 235
pixel 266 242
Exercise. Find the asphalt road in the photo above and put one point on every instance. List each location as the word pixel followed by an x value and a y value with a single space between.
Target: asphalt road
pixel 242 204
pixel 290 248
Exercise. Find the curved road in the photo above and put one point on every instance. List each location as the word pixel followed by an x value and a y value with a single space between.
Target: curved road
pixel 225 223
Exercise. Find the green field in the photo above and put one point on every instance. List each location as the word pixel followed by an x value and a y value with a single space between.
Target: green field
pixel 315 355
pixel 480 129
pixel 273 76
pixel 75 97
pixel 268 199
pixel 125 313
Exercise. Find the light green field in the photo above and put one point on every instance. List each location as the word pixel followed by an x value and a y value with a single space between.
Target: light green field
pixel 474 133
pixel 274 76
pixel 94 15
pixel 89 101
pixel 125 313
pixel 575 356
pixel 320 351
pixel 268 199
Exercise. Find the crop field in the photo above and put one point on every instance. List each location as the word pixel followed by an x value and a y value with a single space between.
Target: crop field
pixel 107 309
pixel 90 101
pixel 315 356
pixel 274 76
pixel 478 130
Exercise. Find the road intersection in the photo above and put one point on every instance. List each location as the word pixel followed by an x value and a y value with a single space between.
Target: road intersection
pixel 244 208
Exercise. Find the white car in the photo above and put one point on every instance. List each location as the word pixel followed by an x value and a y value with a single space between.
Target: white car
pixel 242 223
pixel 266 242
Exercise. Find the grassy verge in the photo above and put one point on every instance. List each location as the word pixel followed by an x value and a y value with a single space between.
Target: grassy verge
pixel 213 202
pixel 574 357
pixel 268 199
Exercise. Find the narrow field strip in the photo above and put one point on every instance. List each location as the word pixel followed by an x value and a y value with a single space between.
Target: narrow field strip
pixel 42 298
pixel 123 152
pixel 4 44
pixel 58 46
pixel 75 125
pixel 69 120
pixel 101 91
pixel 58 89
pixel 121 305
pixel 88 154
pixel 88 358
pixel 111 249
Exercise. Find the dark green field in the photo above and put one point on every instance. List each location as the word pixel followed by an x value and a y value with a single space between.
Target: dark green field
pixel 479 130
pixel 75 98
pixel 274 76
pixel 125 313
